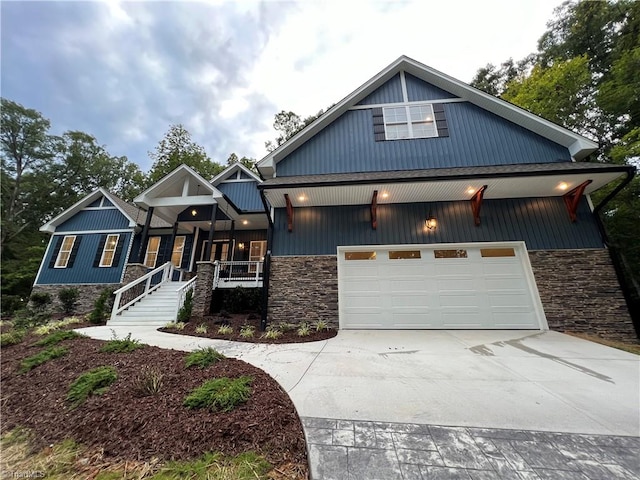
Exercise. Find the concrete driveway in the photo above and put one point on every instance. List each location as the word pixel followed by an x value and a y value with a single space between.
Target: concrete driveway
pixel 544 381
pixel 451 404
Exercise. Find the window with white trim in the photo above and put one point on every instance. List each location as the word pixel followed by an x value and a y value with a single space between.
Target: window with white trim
pixel 109 250
pixel 66 248
pixel 153 247
pixel 178 250
pixel 410 121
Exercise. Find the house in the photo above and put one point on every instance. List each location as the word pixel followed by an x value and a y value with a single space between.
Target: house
pixel 416 202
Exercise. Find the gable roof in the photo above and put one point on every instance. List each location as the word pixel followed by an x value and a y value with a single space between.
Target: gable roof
pixel 134 215
pixel 230 170
pixel 579 146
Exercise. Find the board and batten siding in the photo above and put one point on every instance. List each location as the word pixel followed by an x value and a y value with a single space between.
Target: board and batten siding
pixel 390 92
pixel 244 195
pixel 100 219
pixel 83 270
pixel 476 138
pixel 543 223
pixel 417 90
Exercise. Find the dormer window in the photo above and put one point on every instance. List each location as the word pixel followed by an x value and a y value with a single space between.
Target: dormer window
pixel 411 121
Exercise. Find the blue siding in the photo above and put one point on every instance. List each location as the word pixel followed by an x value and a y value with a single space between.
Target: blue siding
pixel 543 223
pixel 244 176
pixel 477 138
pixel 83 271
pixel 418 90
pixel 390 92
pixel 244 195
pixel 87 220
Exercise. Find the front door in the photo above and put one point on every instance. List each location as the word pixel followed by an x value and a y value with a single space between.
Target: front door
pixel 219 251
pixel 257 251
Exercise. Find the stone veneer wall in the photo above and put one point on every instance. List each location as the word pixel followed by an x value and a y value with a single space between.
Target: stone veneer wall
pixel 203 291
pixel 580 292
pixel 86 298
pixel 304 289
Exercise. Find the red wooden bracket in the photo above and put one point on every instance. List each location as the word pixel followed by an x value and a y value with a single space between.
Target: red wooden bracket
pixel 289 212
pixel 476 203
pixel 374 210
pixel 572 199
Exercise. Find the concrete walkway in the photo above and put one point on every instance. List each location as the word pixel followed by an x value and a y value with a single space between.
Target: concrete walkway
pixel 511 380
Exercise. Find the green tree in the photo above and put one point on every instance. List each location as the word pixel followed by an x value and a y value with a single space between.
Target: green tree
pixel 176 148
pixel 250 163
pixel 288 124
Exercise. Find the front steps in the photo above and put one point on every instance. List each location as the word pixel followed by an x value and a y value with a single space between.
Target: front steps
pixel 156 309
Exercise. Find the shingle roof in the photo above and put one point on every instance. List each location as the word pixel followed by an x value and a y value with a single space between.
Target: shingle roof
pixel 513 170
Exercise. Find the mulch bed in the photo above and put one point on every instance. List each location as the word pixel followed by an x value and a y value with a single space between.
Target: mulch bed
pixel 129 426
pixel 238 320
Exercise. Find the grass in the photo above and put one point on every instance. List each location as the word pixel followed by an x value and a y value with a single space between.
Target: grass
pixel 203 357
pixel 68 460
pixel 47 328
pixel 321 325
pixel 121 345
pixel 93 382
pixel 57 337
pixel 13 337
pixel 627 347
pixel 304 330
pixel 148 382
pixel 202 328
pixel 247 331
pixel 225 329
pixel 217 394
pixel 272 333
pixel 179 325
pixel 44 356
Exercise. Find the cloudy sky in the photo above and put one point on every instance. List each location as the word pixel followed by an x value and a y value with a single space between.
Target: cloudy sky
pixel 125 71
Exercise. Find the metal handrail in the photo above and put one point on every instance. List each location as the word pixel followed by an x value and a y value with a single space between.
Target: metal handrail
pixel 182 293
pixel 222 265
pixel 167 272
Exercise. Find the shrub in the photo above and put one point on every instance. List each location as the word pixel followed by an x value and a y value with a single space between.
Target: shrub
pixel 102 307
pixel 272 333
pixel 57 337
pixel 121 345
pixel 184 314
pixel 247 331
pixel 287 327
pixel 304 330
pixel 202 328
pixel 225 330
pixel 11 304
pixel 148 382
pixel 220 394
pixel 69 298
pixel 39 358
pixel 93 382
pixel 240 299
pixel 321 325
pixel 203 357
pixel 13 337
pixel 180 325
pixel 40 300
pixel 170 325
pixel 28 318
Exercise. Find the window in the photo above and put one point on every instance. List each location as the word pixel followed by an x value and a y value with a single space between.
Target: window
pixel 257 250
pixel 65 251
pixel 450 253
pixel 153 247
pixel 497 252
pixel 404 254
pixel 109 250
pixel 178 250
pixel 411 121
pixel 220 245
pixel 360 255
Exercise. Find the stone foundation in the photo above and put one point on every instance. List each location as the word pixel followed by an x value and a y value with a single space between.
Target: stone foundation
pixel 203 291
pixel 133 271
pixel 87 295
pixel 304 289
pixel 580 292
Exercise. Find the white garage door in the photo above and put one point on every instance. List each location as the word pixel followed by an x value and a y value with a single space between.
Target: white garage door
pixel 446 286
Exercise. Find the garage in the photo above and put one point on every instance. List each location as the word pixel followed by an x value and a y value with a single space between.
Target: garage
pixel 438 286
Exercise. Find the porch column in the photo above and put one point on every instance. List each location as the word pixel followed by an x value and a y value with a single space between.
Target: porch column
pixel 207 252
pixel 231 236
pixel 145 236
pixel 173 240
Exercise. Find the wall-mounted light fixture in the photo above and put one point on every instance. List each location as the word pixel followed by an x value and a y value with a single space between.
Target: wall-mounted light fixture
pixel 194 212
pixel 241 246
pixel 431 222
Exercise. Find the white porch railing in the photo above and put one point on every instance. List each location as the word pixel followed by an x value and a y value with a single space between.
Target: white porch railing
pixel 183 291
pixel 140 288
pixel 237 272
